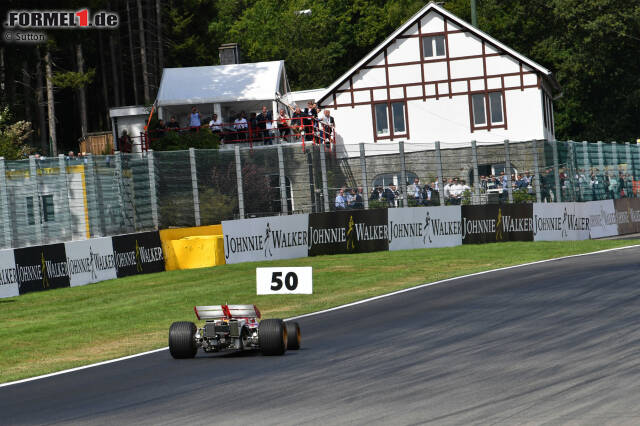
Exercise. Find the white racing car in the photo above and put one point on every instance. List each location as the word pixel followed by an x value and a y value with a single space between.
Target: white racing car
pixel 232 328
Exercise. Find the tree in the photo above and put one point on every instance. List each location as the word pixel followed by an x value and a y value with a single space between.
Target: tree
pixel 14 136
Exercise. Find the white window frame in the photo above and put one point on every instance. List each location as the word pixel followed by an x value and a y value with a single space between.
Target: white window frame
pixel 432 39
pixel 386 117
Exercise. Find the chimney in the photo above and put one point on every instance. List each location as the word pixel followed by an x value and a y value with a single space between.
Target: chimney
pixel 229 54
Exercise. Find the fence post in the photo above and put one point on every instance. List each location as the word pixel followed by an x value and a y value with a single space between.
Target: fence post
pixel 439 168
pixel 403 176
pixel 33 173
pixel 571 170
pixel 536 172
pixel 68 228
pixel 474 158
pixel 507 170
pixel 194 186
pixel 627 149
pixel 284 208
pixel 363 168
pixel 325 187
pixel 239 182
pixel 556 171
pixel 585 156
pixel 97 196
pixel 4 206
pixel 152 188
pixel 600 158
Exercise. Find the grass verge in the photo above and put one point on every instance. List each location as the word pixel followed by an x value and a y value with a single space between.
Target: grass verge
pixel 59 329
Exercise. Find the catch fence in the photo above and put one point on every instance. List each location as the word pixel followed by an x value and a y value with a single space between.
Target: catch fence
pixel 49 200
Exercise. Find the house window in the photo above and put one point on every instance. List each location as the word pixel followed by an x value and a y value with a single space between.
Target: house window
pixel 48 214
pixel 479 116
pixel 394 178
pixel 382 119
pixel 390 120
pixel 495 103
pixel 433 46
pixel 399 125
pixel 479 104
pixel 30 216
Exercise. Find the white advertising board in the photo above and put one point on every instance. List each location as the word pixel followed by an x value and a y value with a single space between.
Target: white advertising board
pixel 602 217
pixel 559 222
pixel 265 238
pixel 283 280
pixel 90 261
pixel 422 227
pixel 8 278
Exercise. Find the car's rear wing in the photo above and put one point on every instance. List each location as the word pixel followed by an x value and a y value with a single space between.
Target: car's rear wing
pixel 226 312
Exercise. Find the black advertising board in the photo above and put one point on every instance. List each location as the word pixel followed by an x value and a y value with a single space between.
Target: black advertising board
pixel 41 268
pixel 497 222
pixel 627 215
pixel 348 231
pixel 139 253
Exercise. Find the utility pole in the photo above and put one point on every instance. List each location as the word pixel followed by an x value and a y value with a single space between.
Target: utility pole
pixel 474 14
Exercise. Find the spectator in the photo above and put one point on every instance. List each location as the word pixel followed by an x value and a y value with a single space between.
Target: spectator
pixel 455 192
pixel 160 129
pixel 358 202
pixel 390 195
pixel 71 156
pixel 265 123
pixel 376 194
pixel 284 125
pixel 311 115
pixel 241 126
pixel 447 191
pixel 124 143
pixel 350 196
pixel 173 124
pixel 194 119
pixel 340 200
pixel 296 122
pixel 415 190
pixel 328 124
pixel 215 125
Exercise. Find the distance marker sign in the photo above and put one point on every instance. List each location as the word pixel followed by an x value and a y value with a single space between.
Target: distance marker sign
pixel 284 280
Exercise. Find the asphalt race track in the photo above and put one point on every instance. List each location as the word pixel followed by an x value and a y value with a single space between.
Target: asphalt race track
pixel 555 343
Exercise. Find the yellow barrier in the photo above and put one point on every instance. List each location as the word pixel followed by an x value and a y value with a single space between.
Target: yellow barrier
pixel 197 247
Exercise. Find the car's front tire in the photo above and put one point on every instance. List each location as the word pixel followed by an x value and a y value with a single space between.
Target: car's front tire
pixel 272 337
pixel 182 342
pixel 293 335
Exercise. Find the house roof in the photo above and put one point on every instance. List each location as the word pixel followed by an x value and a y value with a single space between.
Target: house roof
pixel 460 22
pixel 256 81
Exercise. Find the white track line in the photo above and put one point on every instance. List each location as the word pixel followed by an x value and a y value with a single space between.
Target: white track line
pixel 382 296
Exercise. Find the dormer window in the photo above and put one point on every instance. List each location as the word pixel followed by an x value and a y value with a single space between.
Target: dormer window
pixel 433 46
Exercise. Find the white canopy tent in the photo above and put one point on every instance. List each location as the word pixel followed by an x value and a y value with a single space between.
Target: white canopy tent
pixel 221 89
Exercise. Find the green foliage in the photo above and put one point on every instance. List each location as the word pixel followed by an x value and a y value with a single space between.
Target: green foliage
pixel 178 141
pixel 523 196
pixel 72 79
pixel 13 136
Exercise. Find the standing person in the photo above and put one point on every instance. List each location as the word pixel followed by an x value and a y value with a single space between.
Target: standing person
pixel 390 195
pixel 328 124
pixel 340 202
pixel 283 125
pixel 215 125
pixel 241 126
pixel 194 119
pixel 265 121
pixel 296 122
pixel 173 124
pixel 358 201
pixel 254 130
pixel 124 144
pixel 447 191
pixel 311 116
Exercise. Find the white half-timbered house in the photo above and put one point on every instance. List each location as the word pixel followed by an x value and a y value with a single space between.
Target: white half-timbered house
pixel 438 78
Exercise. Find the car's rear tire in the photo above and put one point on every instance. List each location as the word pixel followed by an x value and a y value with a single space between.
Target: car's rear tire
pixel 293 335
pixel 182 343
pixel 272 337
